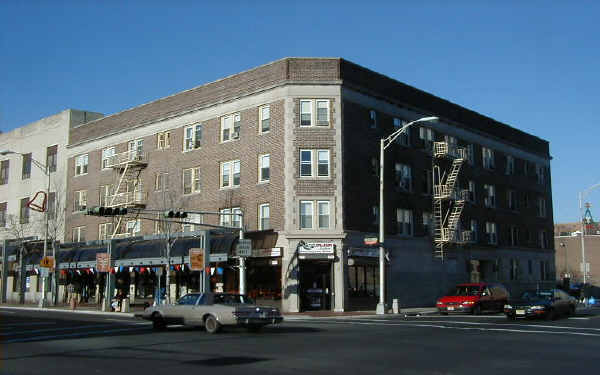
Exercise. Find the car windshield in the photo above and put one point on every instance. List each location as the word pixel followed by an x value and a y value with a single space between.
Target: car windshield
pixel 537 294
pixel 229 299
pixel 464 290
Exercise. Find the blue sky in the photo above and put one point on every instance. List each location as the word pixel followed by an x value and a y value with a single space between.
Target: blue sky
pixel 533 66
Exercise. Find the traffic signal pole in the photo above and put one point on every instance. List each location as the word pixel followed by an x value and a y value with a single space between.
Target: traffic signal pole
pixel 242 260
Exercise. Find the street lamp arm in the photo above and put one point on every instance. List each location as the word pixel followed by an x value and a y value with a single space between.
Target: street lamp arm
pixel 584 193
pixel 392 137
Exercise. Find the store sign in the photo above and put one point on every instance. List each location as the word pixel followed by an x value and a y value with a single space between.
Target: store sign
pixel 317 248
pixel 218 257
pixel 266 253
pixel 363 252
pixel 102 262
pixel 196 259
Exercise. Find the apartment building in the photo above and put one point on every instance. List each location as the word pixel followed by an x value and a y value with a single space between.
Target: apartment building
pixel 294 145
pixel 569 254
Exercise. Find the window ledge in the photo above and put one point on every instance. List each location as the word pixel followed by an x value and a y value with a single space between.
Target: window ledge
pixel 229 187
pixel 192 193
pixel 263 182
pixel 190 150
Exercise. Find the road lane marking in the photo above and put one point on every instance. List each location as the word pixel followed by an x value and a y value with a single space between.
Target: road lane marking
pixel 39 338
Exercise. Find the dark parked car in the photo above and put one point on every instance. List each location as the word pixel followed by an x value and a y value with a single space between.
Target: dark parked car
pixel 547 303
pixel 473 298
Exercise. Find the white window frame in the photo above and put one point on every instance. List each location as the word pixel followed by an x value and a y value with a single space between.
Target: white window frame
pixel 513 201
pixel 487 156
pixel 427 136
pixel 372 119
pixel 319 208
pixel 195 181
pixel 135 148
pixel 311 204
pixel 264 163
pixel 192 137
pixel 540 173
pixel 403 175
pixel 315 163
pixel 310 112
pixel 264 214
pixel 163 140
pixel 232 166
pixel 78 237
pixel 232 124
pixel 471 154
pixel 103 231
pixel 133 226
pixel 490 196
pixel 80 201
pixel 404 222
pixel 191 222
pixel 510 165
pixel 318 161
pixel 262 117
pixel 81 165
pixel 107 153
pixel 230 220
pixel 304 162
pixel 403 138
pixel 319 214
pixel 327 121
pixel 105 192
pixel 161 181
pixel 491 232
pixel 312 115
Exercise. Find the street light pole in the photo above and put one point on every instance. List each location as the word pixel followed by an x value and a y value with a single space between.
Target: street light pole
pixel 385 143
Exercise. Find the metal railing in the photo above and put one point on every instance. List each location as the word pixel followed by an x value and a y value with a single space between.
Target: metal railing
pixel 128 157
pixel 128 199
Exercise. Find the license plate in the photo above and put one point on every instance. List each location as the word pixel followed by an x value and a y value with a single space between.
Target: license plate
pixel 520 312
pixel 450 308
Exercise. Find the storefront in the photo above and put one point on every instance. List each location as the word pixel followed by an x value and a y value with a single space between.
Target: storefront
pixel 316 265
pixel 363 278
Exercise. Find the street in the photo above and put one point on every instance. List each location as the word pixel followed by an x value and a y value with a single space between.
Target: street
pixel 62 342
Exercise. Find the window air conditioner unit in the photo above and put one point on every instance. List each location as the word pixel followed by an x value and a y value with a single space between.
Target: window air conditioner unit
pixel 235 135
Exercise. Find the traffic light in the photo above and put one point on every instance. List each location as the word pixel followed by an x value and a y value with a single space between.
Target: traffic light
pixel 107 211
pixel 175 214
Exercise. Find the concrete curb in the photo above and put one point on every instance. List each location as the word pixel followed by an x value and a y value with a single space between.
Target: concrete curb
pixel 88 312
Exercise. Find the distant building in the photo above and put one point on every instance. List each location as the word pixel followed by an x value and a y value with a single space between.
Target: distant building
pixel 567 243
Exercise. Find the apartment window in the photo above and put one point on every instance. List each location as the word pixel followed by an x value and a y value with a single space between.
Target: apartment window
pixel 3 208
pixel 161 181
pixel 80 201
pixel 322 112
pixel 373 119
pixel 306 214
pixel 310 221
pixel 26 168
pixel 107 154
pixel 4 168
pixel 264 168
pixel 474 229
pixel 230 174
pixel 105 231
pixel 135 149
pixel 451 141
pixel 512 200
pixel 544 270
pixel 404 220
pixel 490 231
pixel 51 159
pixel 105 194
pixel 375 211
pixel 510 165
pixel 404 137
pixel 163 140
pixel 81 165
pixel 403 176
pixel 472 195
pixel 264 114
pixel 323 163
pixel 426 136
pixel 230 220
pixel 471 154
pixel 192 222
pixel 306 163
pixel 513 235
pixel 309 118
pixel 192 137
pixel 305 112
pixel 191 180
pixel 540 173
pixel 530 266
pixel 78 234
pixel 51 205
pixel 264 216
pixel 543 239
pixel 427 181
pixel 526 200
pixel 134 226
pixel 323 207
pixel 514 269
pixel 541 206
pixel 488 158
pixel 230 127
pixel 427 223
pixel 490 199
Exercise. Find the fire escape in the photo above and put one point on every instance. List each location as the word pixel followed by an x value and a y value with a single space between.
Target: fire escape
pixel 128 190
pixel 448 199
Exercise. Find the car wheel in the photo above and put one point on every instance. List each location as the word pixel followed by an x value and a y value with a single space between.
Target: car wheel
pixel 476 310
pixel 255 328
pixel 571 311
pixel 550 315
pixel 211 324
pixel 158 323
pixel 443 313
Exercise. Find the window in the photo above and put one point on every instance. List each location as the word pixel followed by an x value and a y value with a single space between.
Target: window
pixel 161 181
pixel 510 165
pixel 134 226
pixel 426 136
pixel 451 141
pixel 530 266
pixel 26 169
pixel 404 219
pixel 105 231
pixel 230 127
pixel 228 219
pixel 78 234
pixel 404 137
pixel 514 269
pixel 264 118
pixel 403 177
pixel 543 239
pixel 163 140
pixel 105 194
pixel 51 206
pixel 230 174
pixel 306 163
pixel 540 173
pixel 427 223
pixel 135 149
pixel 474 229
pixel 472 191
pixel 490 231
pixel 51 159
pixel 264 217
pixel 3 206
pixel 107 154
pixel 471 154
pixel 323 207
pixel 513 235
pixel 81 165
pixel 512 200
pixel 544 268
pixel 191 180
pixel 306 214
pixel 310 118
pixel 375 211
pixel 264 168
pixel 192 137
pixel 4 168
pixel 80 201
pixel 373 119
pixel 526 200
pixel 490 198
pixel 541 206
pixel 191 221
pixel 488 158
pixel 427 182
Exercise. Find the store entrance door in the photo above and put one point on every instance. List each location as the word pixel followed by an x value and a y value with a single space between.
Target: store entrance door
pixel 315 285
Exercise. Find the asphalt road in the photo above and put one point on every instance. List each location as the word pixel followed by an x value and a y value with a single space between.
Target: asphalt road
pixel 63 342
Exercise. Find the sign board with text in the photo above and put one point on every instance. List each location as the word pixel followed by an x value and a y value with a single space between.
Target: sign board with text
pixel 196 259
pixel 244 248
pixel 317 248
pixel 102 262
pixel 47 262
